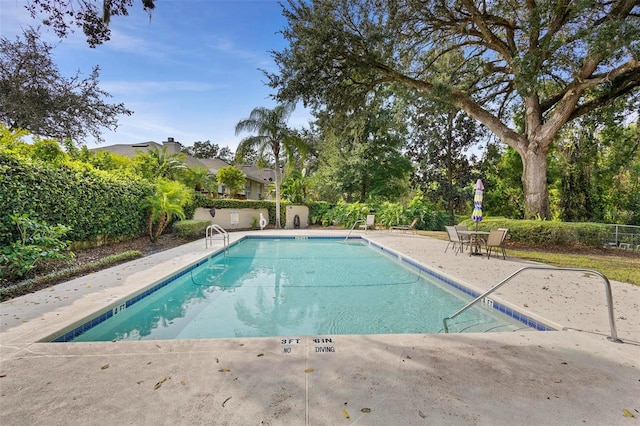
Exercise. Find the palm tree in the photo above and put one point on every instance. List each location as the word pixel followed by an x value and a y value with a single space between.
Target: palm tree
pixel 195 177
pixel 295 187
pixel 273 135
pixel 168 201
pixel 159 163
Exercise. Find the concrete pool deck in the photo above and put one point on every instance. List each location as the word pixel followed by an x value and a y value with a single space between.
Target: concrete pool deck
pixel 575 376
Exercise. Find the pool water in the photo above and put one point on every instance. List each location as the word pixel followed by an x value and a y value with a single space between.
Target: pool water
pixel 294 287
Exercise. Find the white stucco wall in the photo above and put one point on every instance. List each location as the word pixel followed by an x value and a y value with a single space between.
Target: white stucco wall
pixel 223 217
pixel 303 214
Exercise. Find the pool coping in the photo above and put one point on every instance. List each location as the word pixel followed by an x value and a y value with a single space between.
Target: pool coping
pixel 563 377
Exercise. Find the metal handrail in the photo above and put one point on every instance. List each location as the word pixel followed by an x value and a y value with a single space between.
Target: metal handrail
pixel 209 236
pixel 353 227
pixel 612 321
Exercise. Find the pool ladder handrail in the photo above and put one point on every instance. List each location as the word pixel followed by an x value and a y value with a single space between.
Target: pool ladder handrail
pixel 614 334
pixel 219 233
pixel 353 227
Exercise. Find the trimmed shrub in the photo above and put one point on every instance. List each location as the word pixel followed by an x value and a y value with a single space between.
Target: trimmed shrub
pixel 191 228
pixel 540 232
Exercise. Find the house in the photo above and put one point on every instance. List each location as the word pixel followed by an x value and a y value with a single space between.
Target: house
pixel 258 180
pixel 256 186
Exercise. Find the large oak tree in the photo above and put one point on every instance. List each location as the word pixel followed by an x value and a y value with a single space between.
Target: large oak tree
pixel 523 68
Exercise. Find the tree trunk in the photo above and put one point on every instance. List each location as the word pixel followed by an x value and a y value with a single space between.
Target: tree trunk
pixel 277 176
pixel 150 226
pixel 363 191
pixel 534 181
pixel 162 224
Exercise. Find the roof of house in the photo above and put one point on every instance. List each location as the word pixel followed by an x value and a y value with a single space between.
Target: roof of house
pixel 212 164
pixel 130 150
pixel 260 174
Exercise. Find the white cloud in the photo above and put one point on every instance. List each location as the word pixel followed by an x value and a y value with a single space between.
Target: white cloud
pixel 122 42
pixel 228 47
pixel 155 87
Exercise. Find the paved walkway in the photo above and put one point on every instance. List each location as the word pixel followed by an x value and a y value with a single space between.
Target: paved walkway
pixel 566 377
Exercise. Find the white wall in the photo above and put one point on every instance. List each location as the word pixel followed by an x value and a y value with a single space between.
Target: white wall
pixel 303 214
pixel 223 217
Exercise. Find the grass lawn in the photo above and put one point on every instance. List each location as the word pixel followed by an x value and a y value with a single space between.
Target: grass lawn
pixel 615 265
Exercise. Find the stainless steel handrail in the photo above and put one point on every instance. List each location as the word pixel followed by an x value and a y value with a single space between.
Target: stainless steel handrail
pixel 612 321
pixel 353 227
pixel 209 235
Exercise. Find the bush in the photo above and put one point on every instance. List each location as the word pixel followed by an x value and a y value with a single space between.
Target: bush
pixel 317 210
pixel 39 282
pixel 539 232
pixel 391 214
pixel 191 228
pixel 93 203
pixel 39 243
pixel 387 214
pixel 344 214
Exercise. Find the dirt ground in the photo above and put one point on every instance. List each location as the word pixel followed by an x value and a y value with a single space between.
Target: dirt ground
pixel 142 244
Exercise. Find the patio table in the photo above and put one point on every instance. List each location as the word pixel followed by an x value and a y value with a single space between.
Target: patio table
pixel 474 241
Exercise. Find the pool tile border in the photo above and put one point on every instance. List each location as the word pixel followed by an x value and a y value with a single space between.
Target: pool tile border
pixel 103 316
pixel 518 316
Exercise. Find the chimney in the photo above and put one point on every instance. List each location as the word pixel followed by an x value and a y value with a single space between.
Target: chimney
pixel 173 147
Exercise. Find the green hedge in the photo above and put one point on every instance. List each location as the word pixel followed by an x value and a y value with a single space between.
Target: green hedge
pixel 540 232
pixel 191 228
pixel 95 204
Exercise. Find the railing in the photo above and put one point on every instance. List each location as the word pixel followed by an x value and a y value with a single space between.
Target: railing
pixel 612 321
pixel 214 232
pixel 624 236
pixel 353 227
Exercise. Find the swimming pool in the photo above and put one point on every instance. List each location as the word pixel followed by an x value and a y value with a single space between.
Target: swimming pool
pixel 263 287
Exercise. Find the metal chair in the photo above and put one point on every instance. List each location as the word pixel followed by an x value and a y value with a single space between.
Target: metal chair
pixel 369 223
pixel 494 240
pixel 464 239
pixel 454 239
pixel 405 228
pixel 506 234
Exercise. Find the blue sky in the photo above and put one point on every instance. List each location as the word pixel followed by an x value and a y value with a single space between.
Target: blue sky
pixel 190 72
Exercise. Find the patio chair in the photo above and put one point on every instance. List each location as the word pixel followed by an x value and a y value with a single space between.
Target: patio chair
pixel 454 239
pixel 464 239
pixel 495 241
pixel 405 228
pixel 369 223
pixel 505 237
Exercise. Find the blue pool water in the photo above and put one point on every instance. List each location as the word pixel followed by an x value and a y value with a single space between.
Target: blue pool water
pixel 292 287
